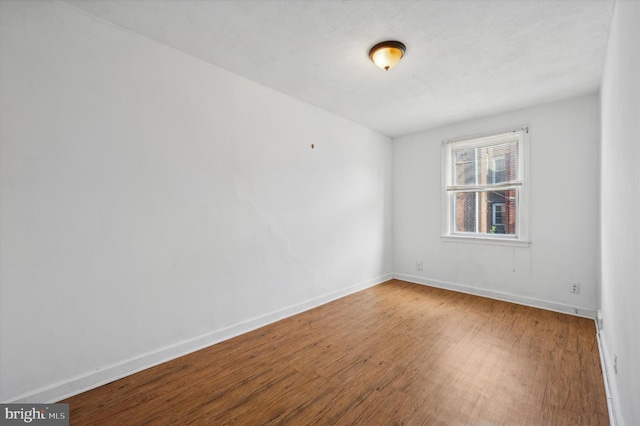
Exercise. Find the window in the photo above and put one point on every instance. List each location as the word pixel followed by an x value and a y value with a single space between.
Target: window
pixel 485 187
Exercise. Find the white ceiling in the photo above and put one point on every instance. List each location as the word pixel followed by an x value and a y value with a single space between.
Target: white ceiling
pixel 464 59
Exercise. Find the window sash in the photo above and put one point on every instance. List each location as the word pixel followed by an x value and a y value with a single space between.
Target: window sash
pixel 479 160
pixel 452 223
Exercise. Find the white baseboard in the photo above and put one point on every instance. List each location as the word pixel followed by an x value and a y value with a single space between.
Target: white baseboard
pixel 507 297
pixel 607 368
pixel 110 373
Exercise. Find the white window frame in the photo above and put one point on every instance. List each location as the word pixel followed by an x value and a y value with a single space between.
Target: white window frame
pixel 521 236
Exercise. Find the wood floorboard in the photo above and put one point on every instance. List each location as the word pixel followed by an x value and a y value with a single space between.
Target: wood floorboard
pixel 394 354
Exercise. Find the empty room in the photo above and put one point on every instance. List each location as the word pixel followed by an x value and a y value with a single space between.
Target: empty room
pixel 320 212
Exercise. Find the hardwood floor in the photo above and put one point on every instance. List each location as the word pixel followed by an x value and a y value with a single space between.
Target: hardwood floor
pixel 397 353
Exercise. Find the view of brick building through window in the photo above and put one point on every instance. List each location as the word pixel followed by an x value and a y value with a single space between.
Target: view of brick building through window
pixel 485 210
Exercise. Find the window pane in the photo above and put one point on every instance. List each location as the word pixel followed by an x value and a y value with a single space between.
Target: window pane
pixel 487 164
pixel 486 212
pixel 466 166
pixel 465 208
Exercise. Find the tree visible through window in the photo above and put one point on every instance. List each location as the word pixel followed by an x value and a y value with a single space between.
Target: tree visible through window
pixel 483 185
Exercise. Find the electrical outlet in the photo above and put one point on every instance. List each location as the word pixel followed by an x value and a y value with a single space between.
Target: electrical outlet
pixel 419 265
pixel 615 363
pixel 574 288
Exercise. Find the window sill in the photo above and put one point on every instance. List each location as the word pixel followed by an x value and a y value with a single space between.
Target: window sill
pixel 485 240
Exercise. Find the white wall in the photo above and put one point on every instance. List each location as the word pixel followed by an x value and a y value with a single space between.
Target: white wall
pixel 563 219
pixel 620 211
pixel 153 203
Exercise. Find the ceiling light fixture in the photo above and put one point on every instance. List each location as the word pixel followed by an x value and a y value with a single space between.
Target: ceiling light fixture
pixel 387 54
